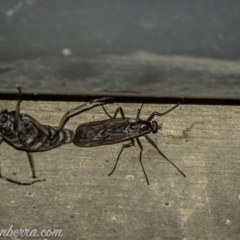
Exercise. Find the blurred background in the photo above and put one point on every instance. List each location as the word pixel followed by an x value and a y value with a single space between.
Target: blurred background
pixel 175 48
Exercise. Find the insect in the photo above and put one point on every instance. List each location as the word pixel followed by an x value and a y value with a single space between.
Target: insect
pixel 25 133
pixel 116 130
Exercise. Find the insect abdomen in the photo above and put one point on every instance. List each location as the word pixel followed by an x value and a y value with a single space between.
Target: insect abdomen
pixel 63 137
pixel 36 140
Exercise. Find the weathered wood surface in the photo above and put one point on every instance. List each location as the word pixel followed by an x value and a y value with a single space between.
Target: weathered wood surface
pixel 79 198
pixel 134 74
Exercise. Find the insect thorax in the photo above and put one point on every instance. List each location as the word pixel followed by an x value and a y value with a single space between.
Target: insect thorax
pixel 141 127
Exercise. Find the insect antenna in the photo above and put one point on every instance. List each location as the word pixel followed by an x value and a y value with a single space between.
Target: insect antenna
pixel 155 146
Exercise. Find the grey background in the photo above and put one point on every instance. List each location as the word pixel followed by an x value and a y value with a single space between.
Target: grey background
pixel 207 29
pixel 121 47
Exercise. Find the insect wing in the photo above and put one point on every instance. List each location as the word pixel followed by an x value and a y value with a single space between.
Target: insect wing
pixel 102 133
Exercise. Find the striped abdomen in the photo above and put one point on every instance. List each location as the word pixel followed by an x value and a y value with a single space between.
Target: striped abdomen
pixel 32 139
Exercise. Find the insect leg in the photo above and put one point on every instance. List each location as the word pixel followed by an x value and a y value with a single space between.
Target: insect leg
pixel 17 119
pixel 140 159
pixel 69 114
pixel 106 112
pixel 161 114
pixel 18 182
pixel 123 146
pixel 17 114
pixel 43 128
pixel 139 111
pixel 80 109
pixel 119 109
pixel 155 146
pixel 30 158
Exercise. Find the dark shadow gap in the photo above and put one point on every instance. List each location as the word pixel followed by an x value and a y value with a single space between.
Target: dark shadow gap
pixel 121 99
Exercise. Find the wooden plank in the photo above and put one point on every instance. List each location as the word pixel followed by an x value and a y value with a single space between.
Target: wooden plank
pixel 79 198
pixel 138 74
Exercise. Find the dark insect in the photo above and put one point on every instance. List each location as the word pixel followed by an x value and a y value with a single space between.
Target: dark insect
pixel 116 130
pixel 25 133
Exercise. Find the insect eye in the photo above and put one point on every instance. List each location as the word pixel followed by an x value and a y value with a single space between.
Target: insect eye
pixel 155 127
pixel 3 119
